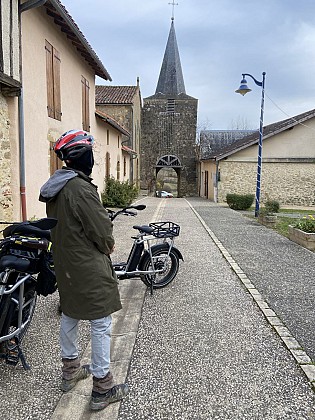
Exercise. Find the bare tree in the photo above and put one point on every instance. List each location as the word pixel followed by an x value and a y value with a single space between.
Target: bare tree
pixel 240 123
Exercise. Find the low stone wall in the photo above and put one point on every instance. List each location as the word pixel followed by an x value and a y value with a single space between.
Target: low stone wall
pixel 287 182
pixel 6 205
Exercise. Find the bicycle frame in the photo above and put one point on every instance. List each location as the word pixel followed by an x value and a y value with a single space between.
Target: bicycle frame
pixel 19 303
pixel 142 243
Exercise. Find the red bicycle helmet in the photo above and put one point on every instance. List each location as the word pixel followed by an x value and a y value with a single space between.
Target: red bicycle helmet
pixel 72 144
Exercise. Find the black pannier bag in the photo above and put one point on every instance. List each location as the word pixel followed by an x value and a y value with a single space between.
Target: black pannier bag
pixel 46 279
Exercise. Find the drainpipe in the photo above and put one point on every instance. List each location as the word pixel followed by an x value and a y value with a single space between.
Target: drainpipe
pixel 30 4
pixel 217 176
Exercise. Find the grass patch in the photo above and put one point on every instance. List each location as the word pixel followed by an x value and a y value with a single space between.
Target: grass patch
pixel 294 211
pixel 282 225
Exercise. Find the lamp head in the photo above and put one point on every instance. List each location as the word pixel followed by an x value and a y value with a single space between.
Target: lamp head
pixel 243 89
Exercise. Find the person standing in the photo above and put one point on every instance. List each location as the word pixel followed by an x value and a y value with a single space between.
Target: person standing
pixel 82 242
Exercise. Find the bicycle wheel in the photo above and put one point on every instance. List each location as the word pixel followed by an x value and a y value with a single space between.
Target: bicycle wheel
pixel 169 264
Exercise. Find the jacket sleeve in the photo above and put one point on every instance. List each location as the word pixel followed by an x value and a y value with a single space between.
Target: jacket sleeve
pixel 95 221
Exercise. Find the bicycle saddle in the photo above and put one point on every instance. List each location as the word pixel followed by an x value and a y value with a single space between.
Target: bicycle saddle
pixel 10 261
pixel 39 228
pixel 144 228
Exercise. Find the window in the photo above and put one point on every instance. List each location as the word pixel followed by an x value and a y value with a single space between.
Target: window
pixel 55 162
pixel 125 167
pixel 107 138
pixel 170 105
pixel 53 82
pixel 118 170
pixel 118 142
pixel 107 168
pixel 85 104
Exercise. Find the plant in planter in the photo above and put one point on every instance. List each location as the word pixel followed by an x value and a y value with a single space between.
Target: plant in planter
pixel 266 217
pixel 272 206
pixel 303 232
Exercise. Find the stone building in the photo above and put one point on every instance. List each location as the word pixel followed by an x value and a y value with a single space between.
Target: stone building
pixel 10 88
pixel 288 164
pixel 169 121
pixel 124 104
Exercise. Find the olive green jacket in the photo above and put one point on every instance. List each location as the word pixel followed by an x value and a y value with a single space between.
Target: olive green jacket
pixel 82 241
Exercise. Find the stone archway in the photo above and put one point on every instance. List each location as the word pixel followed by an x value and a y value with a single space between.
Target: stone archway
pixel 165 167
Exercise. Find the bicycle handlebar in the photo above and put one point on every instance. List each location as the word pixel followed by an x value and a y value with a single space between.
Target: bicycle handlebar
pixel 125 211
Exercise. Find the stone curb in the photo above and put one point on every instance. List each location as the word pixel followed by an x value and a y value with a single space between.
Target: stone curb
pixel 301 357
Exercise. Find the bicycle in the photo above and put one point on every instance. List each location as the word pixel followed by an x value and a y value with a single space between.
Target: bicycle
pixel 153 257
pixel 24 259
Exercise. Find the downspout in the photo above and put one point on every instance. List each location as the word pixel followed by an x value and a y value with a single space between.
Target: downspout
pixel 22 8
pixel 217 179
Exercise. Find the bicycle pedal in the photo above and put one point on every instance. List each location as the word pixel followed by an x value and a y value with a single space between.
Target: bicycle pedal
pixel 13 354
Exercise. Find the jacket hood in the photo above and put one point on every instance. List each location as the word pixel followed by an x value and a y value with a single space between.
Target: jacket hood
pixel 55 184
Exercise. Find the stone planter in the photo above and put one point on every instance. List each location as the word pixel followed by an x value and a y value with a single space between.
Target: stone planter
pixel 302 238
pixel 268 220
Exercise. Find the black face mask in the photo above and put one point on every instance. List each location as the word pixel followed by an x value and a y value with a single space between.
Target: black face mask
pixel 84 163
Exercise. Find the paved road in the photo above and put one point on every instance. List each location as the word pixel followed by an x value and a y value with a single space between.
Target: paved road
pixel 200 348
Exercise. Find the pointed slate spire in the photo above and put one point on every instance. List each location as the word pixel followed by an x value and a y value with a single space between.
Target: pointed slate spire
pixel 171 81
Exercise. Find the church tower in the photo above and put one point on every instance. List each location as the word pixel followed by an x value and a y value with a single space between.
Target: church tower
pixel 169 122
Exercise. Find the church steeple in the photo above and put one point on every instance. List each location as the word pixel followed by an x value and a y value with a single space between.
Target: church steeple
pixel 171 81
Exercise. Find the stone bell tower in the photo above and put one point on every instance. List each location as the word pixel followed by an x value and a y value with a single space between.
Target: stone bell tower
pixel 169 123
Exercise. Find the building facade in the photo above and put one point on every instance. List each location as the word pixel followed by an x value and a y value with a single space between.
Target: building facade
pixel 10 90
pixel 288 164
pixel 124 104
pixel 169 121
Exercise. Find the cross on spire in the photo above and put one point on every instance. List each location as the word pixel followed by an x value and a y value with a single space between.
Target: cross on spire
pixel 173 4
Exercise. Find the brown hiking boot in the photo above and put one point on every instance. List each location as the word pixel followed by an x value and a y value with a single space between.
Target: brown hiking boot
pixel 72 373
pixel 101 401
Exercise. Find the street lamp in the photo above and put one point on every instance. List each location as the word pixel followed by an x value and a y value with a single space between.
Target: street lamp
pixel 243 89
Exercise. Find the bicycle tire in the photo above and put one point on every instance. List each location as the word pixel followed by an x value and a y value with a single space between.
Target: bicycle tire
pixel 4 308
pixel 157 281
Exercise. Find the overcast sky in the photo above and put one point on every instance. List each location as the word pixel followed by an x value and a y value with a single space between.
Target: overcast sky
pixel 218 41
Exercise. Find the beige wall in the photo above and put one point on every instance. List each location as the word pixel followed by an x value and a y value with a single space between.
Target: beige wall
pixel 115 151
pixel 129 117
pixel 298 142
pixel 210 167
pixel 40 130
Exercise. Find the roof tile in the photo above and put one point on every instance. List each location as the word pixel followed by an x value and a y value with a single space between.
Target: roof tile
pixel 115 94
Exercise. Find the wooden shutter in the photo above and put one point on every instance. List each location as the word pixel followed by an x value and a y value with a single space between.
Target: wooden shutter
pixel 107 165
pixel 53 82
pixel 57 96
pixel 55 163
pixel 50 79
pixel 85 104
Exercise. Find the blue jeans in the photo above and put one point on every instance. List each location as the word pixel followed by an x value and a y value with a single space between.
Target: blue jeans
pixel 100 342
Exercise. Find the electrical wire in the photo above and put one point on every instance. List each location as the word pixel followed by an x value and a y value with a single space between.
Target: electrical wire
pixel 292 118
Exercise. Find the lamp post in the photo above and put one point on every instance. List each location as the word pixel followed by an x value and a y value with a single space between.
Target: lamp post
pixel 243 89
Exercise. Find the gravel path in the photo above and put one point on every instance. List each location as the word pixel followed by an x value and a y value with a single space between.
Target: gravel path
pixel 204 349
